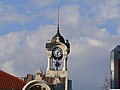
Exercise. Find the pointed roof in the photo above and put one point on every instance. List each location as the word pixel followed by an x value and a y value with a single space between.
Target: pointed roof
pixel 58 35
pixel 8 81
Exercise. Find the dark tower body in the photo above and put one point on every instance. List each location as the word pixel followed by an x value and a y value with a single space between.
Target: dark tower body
pixel 115 68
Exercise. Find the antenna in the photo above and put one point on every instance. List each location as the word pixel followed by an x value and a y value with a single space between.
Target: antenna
pixel 58 18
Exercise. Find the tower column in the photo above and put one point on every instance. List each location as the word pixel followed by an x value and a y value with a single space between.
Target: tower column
pixel 49 64
pixel 66 83
pixel 64 64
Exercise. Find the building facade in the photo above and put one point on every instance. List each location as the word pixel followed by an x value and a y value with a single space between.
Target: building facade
pixel 115 68
pixel 56 77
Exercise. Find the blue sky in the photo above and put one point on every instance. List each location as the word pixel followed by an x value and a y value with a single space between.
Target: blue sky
pixel 92 27
pixel 33 12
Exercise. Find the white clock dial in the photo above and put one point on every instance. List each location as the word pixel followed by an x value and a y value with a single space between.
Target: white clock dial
pixel 57 53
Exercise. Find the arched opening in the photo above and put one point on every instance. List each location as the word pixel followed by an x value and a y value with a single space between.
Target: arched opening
pixel 37 85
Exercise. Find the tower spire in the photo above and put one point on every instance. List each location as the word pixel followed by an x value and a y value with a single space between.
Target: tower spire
pixel 58 20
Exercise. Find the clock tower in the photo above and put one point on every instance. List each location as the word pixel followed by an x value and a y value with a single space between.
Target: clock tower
pixel 57 50
pixel 56 76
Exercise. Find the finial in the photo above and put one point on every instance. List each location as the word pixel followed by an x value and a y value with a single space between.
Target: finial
pixel 38 75
pixel 58 18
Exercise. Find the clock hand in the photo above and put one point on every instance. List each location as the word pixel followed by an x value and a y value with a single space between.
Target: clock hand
pixel 57 53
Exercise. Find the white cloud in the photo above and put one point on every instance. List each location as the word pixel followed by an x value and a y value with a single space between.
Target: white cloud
pixel 14 17
pixel 86 52
pixel 8 43
pixel 40 35
pixel 92 42
pixel 108 10
pixel 90 57
pixel 9 67
pixel 26 50
pixel 9 14
pixel 70 15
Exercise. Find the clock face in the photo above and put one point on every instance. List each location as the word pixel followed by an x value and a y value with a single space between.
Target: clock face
pixel 57 53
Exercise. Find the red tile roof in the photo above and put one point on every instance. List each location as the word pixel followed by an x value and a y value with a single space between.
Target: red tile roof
pixel 8 81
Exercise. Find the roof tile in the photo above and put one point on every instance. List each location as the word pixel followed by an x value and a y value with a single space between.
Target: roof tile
pixel 8 81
